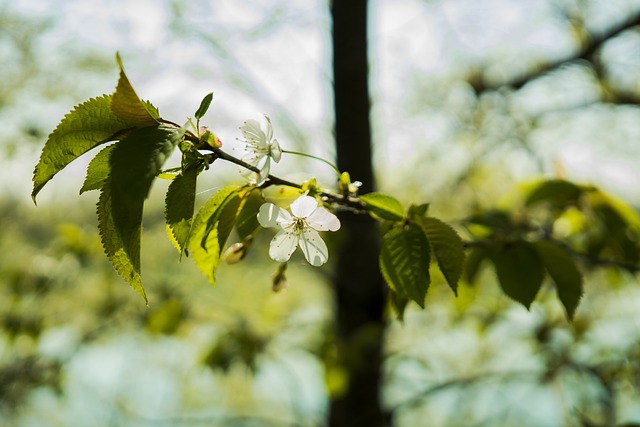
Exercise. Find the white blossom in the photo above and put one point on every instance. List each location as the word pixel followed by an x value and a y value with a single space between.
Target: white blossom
pixel 260 146
pixel 299 228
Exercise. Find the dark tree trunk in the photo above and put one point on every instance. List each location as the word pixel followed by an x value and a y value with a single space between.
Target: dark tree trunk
pixel 359 288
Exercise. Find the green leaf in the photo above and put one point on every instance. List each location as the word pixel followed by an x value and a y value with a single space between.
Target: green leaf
pixel 474 259
pixel 88 125
pixel 398 304
pixel 222 222
pixel 564 272
pixel 206 254
pixel 416 211
pixel 557 192
pixel 447 247
pixel 128 107
pixel 98 170
pixel 383 206
pixel 520 270
pixel 247 222
pixel 127 268
pixel 404 262
pixel 204 106
pixel 135 161
pixel 495 220
pixel 179 207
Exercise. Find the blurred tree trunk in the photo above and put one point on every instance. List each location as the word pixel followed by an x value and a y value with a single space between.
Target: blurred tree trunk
pixel 359 288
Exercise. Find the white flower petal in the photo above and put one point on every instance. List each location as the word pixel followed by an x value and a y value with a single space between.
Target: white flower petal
pixel 282 246
pixel 323 220
pixel 313 247
pixel 252 132
pixel 303 206
pixel 264 171
pixel 265 126
pixel 275 150
pixel 268 215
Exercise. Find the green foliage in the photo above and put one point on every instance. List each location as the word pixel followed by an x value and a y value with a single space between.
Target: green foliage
pixel 383 206
pixel 128 107
pixel 521 242
pixel 98 170
pixel 447 248
pixel 418 210
pixel 87 126
pixel 398 304
pixel 404 262
pixel 204 106
pixel 564 272
pixel 247 222
pixel 474 258
pixel 134 163
pixel 127 268
pixel 210 230
pixel 179 207
pixel 519 270
pixel 557 193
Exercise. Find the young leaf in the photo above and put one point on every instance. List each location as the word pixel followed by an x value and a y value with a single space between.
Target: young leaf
pixel 447 248
pixel 247 222
pixel 128 268
pixel 87 126
pixel 98 170
pixel 204 106
pixel 404 262
pixel 206 254
pixel 135 161
pixel 519 270
pixel 128 107
pixel 420 210
pixel 179 204
pixel 564 273
pixel 383 206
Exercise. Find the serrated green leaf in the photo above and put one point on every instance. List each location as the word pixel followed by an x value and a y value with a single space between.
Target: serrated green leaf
pixel 206 254
pixel 179 207
pixel 127 268
pixel 404 262
pixel 447 247
pixel 519 270
pixel 98 171
pixel 383 206
pixel 247 222
pixel 88 125
pixel 135 161
pixel 557 192
pixel 204 106
pixel 564 272
pixel 474 259
pixel 126 104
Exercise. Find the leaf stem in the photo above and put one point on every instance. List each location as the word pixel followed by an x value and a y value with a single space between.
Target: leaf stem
pixel 298 153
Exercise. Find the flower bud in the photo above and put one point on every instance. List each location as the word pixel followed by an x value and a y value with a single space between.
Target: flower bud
pixel 279 280
pixel 235 253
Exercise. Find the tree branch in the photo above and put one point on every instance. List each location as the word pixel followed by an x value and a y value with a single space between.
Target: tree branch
pixel 585 52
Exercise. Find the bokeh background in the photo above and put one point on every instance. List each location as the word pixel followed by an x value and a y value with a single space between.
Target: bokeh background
pixel 79 348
